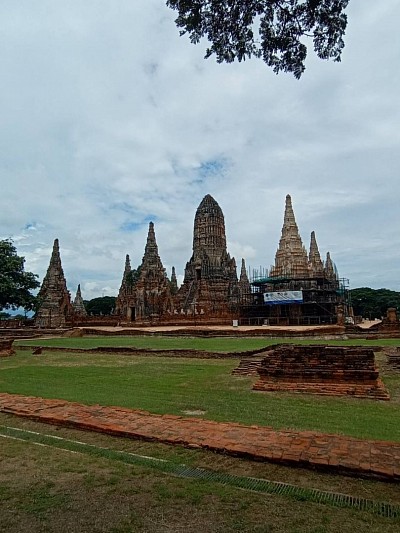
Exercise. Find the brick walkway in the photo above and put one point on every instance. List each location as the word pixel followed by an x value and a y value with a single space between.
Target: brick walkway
pixel 302 448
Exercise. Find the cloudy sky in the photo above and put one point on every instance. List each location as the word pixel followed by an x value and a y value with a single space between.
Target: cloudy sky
pixel 110 119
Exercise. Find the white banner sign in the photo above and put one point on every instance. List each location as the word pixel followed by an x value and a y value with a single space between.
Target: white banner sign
pixel 283 297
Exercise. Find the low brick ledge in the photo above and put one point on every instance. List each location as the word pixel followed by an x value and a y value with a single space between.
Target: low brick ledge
pixel 309 449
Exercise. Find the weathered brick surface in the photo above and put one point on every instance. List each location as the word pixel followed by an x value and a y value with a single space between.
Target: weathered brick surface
pixel 320 369
pixel 394 358
pixel 335 453
pixel 6 348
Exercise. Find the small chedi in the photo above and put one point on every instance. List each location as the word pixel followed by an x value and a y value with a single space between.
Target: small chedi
pixel 390 323
pixel 210 286
pixel 78 305
pixel 319 369
pixel 244 285
pixel 146 292
pixel 54 299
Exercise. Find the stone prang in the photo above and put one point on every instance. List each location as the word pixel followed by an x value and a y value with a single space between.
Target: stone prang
pixel 210 285
pixel 291 257
pixel 146 295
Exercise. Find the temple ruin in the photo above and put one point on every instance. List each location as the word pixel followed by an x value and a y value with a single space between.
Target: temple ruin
pixel 78 305
pixel 300 289
pixel 54 299
pixel 210 286
pixel 323 370
pixel 145 293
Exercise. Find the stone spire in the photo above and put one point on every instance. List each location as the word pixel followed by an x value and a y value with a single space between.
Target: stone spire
pixel 291 257
pixel 244 284
pixel 55 302
pixel 151 293
pixel 173 282
pixel 78 305
pixel 210 283
pixel 330 270
pixel 314 258
pixel 124 290
pixel 209 230
pixel 151 259
pixel 127 268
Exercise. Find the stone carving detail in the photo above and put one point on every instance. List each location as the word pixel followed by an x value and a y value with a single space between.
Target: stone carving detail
pixel 78 305
pixel 55 300
pixel 210 282
pixel 326 370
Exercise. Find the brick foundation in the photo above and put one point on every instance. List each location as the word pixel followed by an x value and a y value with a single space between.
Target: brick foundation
pixel 325 370
pixel 6 348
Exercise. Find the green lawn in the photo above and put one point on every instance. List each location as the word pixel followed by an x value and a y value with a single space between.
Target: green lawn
pixel 169 385
pixel 214 344
pixel 47 489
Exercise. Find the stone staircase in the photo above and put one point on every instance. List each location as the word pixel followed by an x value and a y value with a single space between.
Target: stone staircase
pixel 247 367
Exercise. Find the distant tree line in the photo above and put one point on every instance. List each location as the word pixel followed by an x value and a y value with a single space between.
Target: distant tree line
pixel 102 306
pixel 373 303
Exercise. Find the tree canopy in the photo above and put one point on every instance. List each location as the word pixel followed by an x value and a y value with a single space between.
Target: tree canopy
pixel 273 30
pixel 373 303
pixel 103 305
pixel 15 283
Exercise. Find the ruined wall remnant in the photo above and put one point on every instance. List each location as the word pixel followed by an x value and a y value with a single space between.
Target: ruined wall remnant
pixel 318 369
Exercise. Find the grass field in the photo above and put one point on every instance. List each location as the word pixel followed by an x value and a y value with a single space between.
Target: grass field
pixel 215 344
pixel 52 490
pixel 178 385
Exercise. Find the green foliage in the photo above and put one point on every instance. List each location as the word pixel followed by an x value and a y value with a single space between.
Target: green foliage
pixel 373 303
pixel 4 316
pixel 282 25
pixel 103 305
pixel 15 283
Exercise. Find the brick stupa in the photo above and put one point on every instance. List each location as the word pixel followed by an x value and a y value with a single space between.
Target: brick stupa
pixel 147 296
pixel 78 305
pixel 210 284
pixel 54 298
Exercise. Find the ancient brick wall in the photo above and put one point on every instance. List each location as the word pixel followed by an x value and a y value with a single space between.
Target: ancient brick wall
pixel 330 370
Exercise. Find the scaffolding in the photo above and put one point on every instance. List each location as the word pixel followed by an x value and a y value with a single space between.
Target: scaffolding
pixel 320 298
